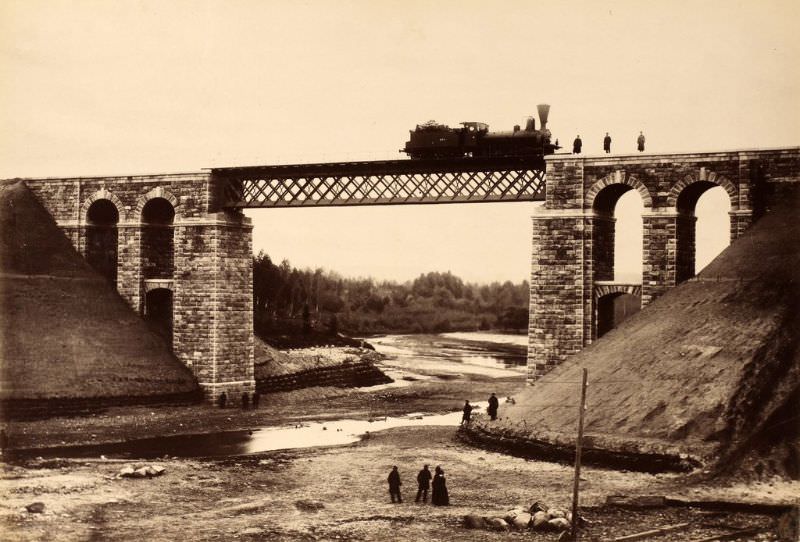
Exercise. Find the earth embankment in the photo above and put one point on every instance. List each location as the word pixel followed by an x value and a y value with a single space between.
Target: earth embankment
pixel 709 370
pixel 69 342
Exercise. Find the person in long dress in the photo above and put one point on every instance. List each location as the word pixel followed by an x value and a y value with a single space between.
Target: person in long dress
pixel 439 497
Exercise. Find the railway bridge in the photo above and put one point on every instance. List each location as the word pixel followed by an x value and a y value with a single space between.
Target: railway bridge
pixel 179 249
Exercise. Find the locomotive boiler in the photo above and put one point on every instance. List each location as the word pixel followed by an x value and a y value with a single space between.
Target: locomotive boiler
pixel 473 139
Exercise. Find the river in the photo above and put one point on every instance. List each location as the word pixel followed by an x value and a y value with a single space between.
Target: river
pixel 410 358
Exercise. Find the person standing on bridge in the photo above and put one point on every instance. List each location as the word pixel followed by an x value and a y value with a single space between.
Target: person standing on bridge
pixel 640 142
pixel 607 143
pixel 576 145
pixel 394 485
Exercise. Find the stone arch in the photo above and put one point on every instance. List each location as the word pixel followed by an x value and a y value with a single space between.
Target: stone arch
pixel 703 176
pixel 157 192
pixel 622 178
pixel 102 194
pixel 613 304
pixel 602 290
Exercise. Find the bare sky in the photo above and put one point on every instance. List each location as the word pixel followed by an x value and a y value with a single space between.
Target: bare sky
pixel 96 87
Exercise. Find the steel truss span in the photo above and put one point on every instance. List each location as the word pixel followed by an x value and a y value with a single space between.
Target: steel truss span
pixel 391 182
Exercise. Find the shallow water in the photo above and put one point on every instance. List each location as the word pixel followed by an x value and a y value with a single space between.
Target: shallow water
pixel 416 356
pixel 454 354
pixel 235 443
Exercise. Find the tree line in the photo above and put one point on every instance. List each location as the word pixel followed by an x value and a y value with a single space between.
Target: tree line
pixel 286 297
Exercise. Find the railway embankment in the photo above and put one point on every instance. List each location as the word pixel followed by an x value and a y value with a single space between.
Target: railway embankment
pixel 709 371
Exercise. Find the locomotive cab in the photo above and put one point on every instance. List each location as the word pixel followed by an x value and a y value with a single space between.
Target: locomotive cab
pixel 471 135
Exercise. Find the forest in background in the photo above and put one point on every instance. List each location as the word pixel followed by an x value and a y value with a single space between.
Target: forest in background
pixel 287 299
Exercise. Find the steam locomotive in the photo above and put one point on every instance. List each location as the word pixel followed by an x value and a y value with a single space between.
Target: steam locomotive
pixel 473 139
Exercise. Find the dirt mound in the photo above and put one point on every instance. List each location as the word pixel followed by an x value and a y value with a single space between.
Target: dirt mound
pixel 711 367
pixel 66 334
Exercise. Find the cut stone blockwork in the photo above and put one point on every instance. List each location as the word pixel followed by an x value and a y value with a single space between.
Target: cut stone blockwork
pixel 573 233
pixel 201 253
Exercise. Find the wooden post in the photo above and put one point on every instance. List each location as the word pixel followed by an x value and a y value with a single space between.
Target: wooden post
pixel 578 444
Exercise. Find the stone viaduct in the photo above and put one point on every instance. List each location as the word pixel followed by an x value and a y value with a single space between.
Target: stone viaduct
pixel 180 251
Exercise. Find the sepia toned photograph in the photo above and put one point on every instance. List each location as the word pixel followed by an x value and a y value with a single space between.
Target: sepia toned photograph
pixel 248 293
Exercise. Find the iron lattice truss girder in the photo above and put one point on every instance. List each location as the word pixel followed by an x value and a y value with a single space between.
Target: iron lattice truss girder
pixel 391 182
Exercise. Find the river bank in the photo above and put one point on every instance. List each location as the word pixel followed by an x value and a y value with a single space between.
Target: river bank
pixel 335 493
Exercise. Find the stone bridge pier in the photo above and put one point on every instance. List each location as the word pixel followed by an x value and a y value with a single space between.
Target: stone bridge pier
pixel 572 270
pixel 176 256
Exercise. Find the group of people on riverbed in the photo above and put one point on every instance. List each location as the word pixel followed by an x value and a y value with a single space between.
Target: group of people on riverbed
pixel 491 410
pixel 439 496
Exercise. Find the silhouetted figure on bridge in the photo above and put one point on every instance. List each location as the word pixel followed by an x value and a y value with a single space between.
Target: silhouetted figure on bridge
pixel 222 400
pixel 245 401
pixel 640 142
pixel 576 145
pixel 256 399
pixel 394 485
pixel 607 143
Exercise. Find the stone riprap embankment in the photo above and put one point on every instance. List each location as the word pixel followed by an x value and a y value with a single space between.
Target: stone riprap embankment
pixel 341 367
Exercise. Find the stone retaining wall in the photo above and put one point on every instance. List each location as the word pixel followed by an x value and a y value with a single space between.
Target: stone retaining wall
pixel 347 375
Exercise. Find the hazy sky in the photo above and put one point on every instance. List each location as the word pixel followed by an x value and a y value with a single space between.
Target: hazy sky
pixel 97 87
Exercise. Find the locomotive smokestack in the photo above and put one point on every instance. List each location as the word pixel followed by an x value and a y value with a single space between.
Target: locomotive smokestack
pixel 544 109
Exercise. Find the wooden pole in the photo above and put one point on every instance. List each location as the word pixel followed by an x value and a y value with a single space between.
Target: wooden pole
pixel 578 444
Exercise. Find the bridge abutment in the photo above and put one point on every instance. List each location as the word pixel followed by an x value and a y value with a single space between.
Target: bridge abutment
pixel 573 233
pixel 181 262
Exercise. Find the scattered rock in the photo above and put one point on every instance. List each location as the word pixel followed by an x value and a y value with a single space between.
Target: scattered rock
pixel 522 521
pixel 539 519
pixel 497 524
pixel 558 524
pixel 35 507
pixel 252 531
pixel 126 472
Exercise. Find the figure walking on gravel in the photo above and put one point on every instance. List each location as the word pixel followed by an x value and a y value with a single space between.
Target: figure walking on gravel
pixel 491 410
pixel 467 414
pixel 439 497
pixel 423 483
pixel 394 485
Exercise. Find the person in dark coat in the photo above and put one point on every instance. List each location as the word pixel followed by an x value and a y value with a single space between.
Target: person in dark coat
pixel 245 401
pixel 256 398
pixel 491 410
pixel 423 483
pixel 439 497
pixel 640 142
pixel 467 413
pixel 394 485
pixel 607 143
pixel 222 399
pixel 576 145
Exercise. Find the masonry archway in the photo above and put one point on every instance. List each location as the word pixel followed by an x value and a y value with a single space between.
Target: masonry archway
pixel 102 245
pixel 686 204
pixel 157 241
pixel 604 203
pixel 158 313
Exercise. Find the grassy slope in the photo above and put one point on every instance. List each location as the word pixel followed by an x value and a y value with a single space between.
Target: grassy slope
pixel 65 331
pixel 710 361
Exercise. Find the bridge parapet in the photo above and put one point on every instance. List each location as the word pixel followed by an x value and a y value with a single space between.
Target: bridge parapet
pixel 573 233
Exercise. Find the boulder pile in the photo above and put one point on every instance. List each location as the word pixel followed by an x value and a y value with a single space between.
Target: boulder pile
pixel 538 517
pixel 146 471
